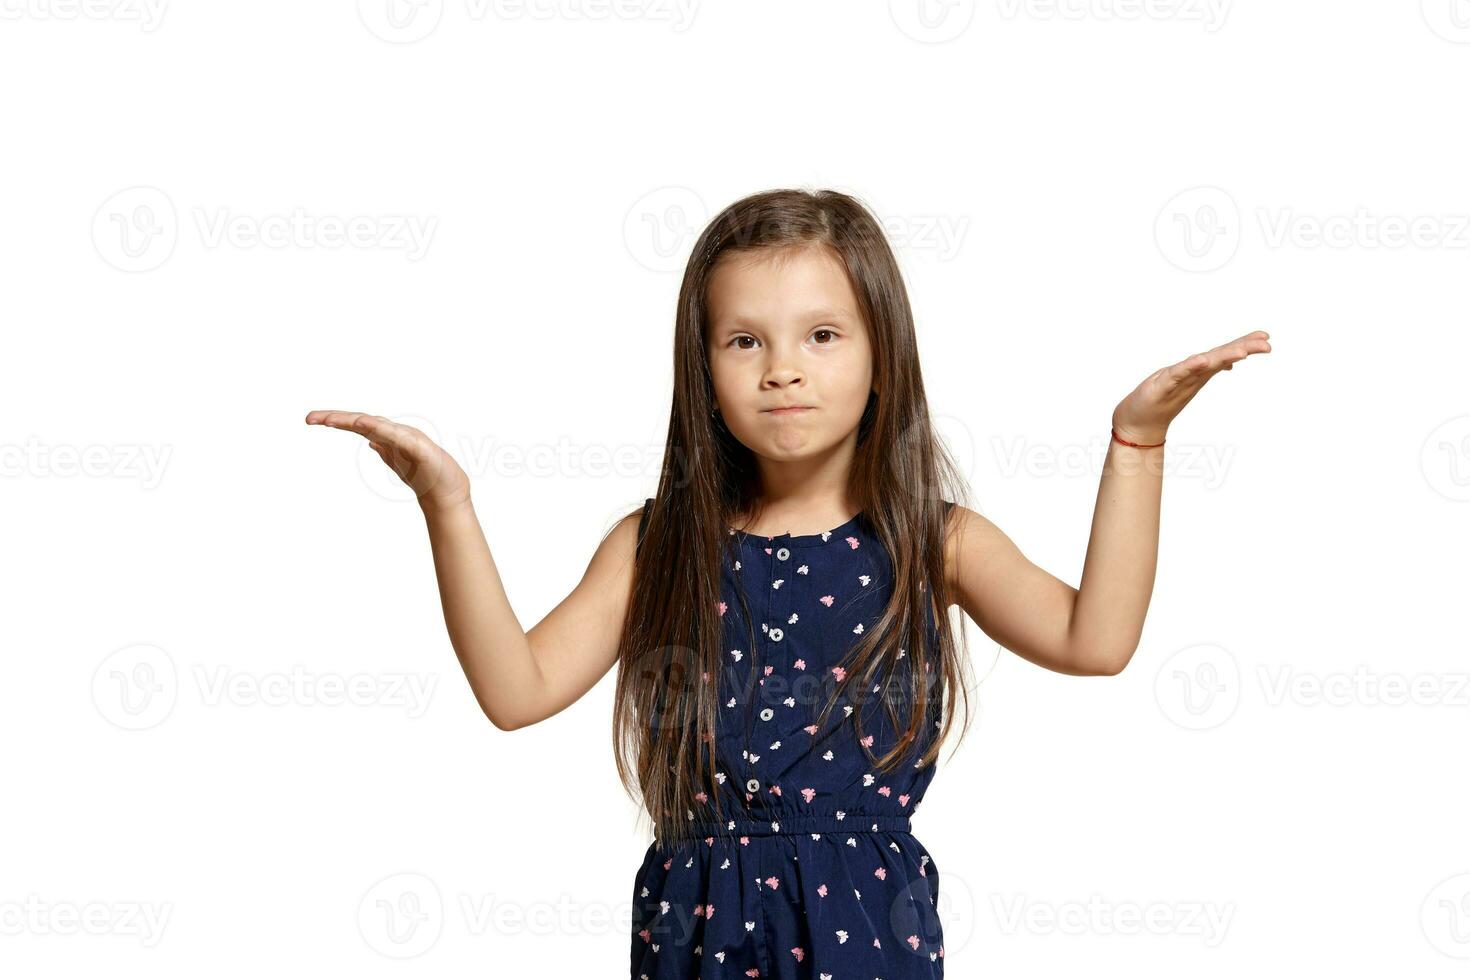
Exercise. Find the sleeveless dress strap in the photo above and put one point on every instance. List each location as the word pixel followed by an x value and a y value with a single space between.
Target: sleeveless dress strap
pixel 643 521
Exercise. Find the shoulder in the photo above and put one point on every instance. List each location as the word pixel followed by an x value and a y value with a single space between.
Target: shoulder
pixel 620 542
pixel 960 520
pixel 609 573
pixel 968 536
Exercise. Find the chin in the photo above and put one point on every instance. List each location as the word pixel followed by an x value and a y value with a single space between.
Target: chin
pixel 810 446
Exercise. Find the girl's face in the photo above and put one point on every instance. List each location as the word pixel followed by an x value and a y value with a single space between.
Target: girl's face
pixel 784 330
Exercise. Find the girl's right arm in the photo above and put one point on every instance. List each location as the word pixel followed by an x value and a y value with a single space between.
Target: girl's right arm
pixel 518 678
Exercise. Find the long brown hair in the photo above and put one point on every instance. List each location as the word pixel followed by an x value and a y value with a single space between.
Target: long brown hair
pixel 664 711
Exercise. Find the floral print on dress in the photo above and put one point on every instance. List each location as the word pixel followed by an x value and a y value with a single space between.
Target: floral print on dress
pixel 815 873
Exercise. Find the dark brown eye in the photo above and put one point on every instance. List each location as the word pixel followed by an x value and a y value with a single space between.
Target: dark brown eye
pixel 737 340
pixel 826 331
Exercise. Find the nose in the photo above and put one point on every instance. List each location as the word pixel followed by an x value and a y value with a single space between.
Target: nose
pixel 782 371
pixel 783 365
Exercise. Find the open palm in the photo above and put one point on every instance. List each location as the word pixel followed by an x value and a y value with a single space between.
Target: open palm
pixel 1144 416
pixel 433 475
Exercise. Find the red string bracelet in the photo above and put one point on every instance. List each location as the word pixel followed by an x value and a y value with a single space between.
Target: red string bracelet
pixel 1134 444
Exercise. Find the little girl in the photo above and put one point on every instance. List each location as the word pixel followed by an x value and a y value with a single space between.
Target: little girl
pixel 784 677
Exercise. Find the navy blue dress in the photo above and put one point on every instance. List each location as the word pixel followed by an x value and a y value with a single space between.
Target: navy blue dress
pixel 816 875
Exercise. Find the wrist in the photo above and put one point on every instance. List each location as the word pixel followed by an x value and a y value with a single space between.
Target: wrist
pixel 436 509
pixel 1142 438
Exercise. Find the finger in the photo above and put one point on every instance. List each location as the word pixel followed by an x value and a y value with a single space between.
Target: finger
pixel 1186 369
pixel 374 427
pixel 1190 374
pixel 335 419
pixel 1242 347
pixel 1203 366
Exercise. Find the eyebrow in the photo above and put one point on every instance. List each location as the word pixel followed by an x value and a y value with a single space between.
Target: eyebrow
pixel 737 321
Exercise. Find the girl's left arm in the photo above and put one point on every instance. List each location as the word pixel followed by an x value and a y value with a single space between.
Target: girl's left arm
pixel 1096 628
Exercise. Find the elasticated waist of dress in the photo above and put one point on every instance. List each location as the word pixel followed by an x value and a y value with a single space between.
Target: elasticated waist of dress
pixel 852 823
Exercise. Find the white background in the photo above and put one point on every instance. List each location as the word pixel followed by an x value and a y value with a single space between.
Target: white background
pixel 1078 196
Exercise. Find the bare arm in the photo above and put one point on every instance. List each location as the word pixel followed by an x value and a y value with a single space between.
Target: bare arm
pixel 1122 556
pixel 1032 613
pixel 521 678
pixel 1093 629
pixel 1021 606
pixel 518 678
